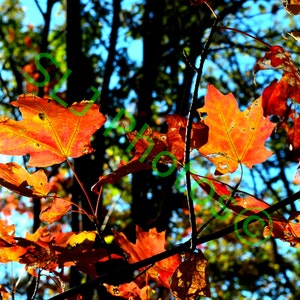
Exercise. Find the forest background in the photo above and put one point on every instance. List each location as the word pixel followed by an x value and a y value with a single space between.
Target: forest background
pixel 139 55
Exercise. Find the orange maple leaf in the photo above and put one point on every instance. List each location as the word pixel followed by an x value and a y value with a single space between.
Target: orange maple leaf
pixel 148 244
pixel 18 180
pixel 9 251
pixel 7 234
pixel 234 137
pixel 58 208
pixel 49 133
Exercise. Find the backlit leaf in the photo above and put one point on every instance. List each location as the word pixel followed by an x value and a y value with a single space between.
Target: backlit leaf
pixel 234 137
pixel 7 234
pixel 176 135
pixel 58 208
pixel 248 205
pixel 10 254
pixel 146 146
pixel 148 244
pixel 17 179
pixel 49 133
pixel 276 94
pixel 190 278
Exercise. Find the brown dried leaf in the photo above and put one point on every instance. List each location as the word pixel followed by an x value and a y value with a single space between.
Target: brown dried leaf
pixel 190 278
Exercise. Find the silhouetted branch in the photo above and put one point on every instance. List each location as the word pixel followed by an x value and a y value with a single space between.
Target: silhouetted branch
pixel 177 249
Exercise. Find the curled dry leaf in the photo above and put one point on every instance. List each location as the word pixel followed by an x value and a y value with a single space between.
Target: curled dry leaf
pixel 190 278
pixel 292 6
pixel 274 97
pixel 49 132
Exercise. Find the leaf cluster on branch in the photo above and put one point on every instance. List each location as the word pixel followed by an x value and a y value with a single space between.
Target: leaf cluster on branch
pixel 230 139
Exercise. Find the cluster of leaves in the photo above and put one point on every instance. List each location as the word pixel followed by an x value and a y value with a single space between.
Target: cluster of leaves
pixel 231 140
pixel 52 134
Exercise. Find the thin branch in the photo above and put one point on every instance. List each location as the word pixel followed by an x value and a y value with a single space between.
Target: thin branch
pixel 234 191
pixel 188 135
pixel 177 249
pixel 245 33
pixel 109 65
pixel 39 8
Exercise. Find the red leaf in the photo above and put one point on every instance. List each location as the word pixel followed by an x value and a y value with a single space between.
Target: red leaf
pixel 124 169
pixel 240 202
pixel 292 129
pixel 235 137
pixel 274 98
pixel 176 135
pixel 151 144
pixel 146 147
pixel 288 231
pixel 277 93
pixel 49 133
pixel 247 205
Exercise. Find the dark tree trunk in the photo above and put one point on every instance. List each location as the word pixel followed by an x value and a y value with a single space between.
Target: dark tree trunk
pixel 150 195
pixel 88 167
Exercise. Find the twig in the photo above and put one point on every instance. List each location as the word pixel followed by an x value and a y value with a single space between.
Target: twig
pixel 109 213
pixel 245 33
pixel 188 135
pixel 39 8
pixel 234 190
pixel 177 249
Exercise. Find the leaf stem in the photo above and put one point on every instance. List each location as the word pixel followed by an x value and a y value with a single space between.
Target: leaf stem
pixel 83 190
pixel 222 209
pixel 245 33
